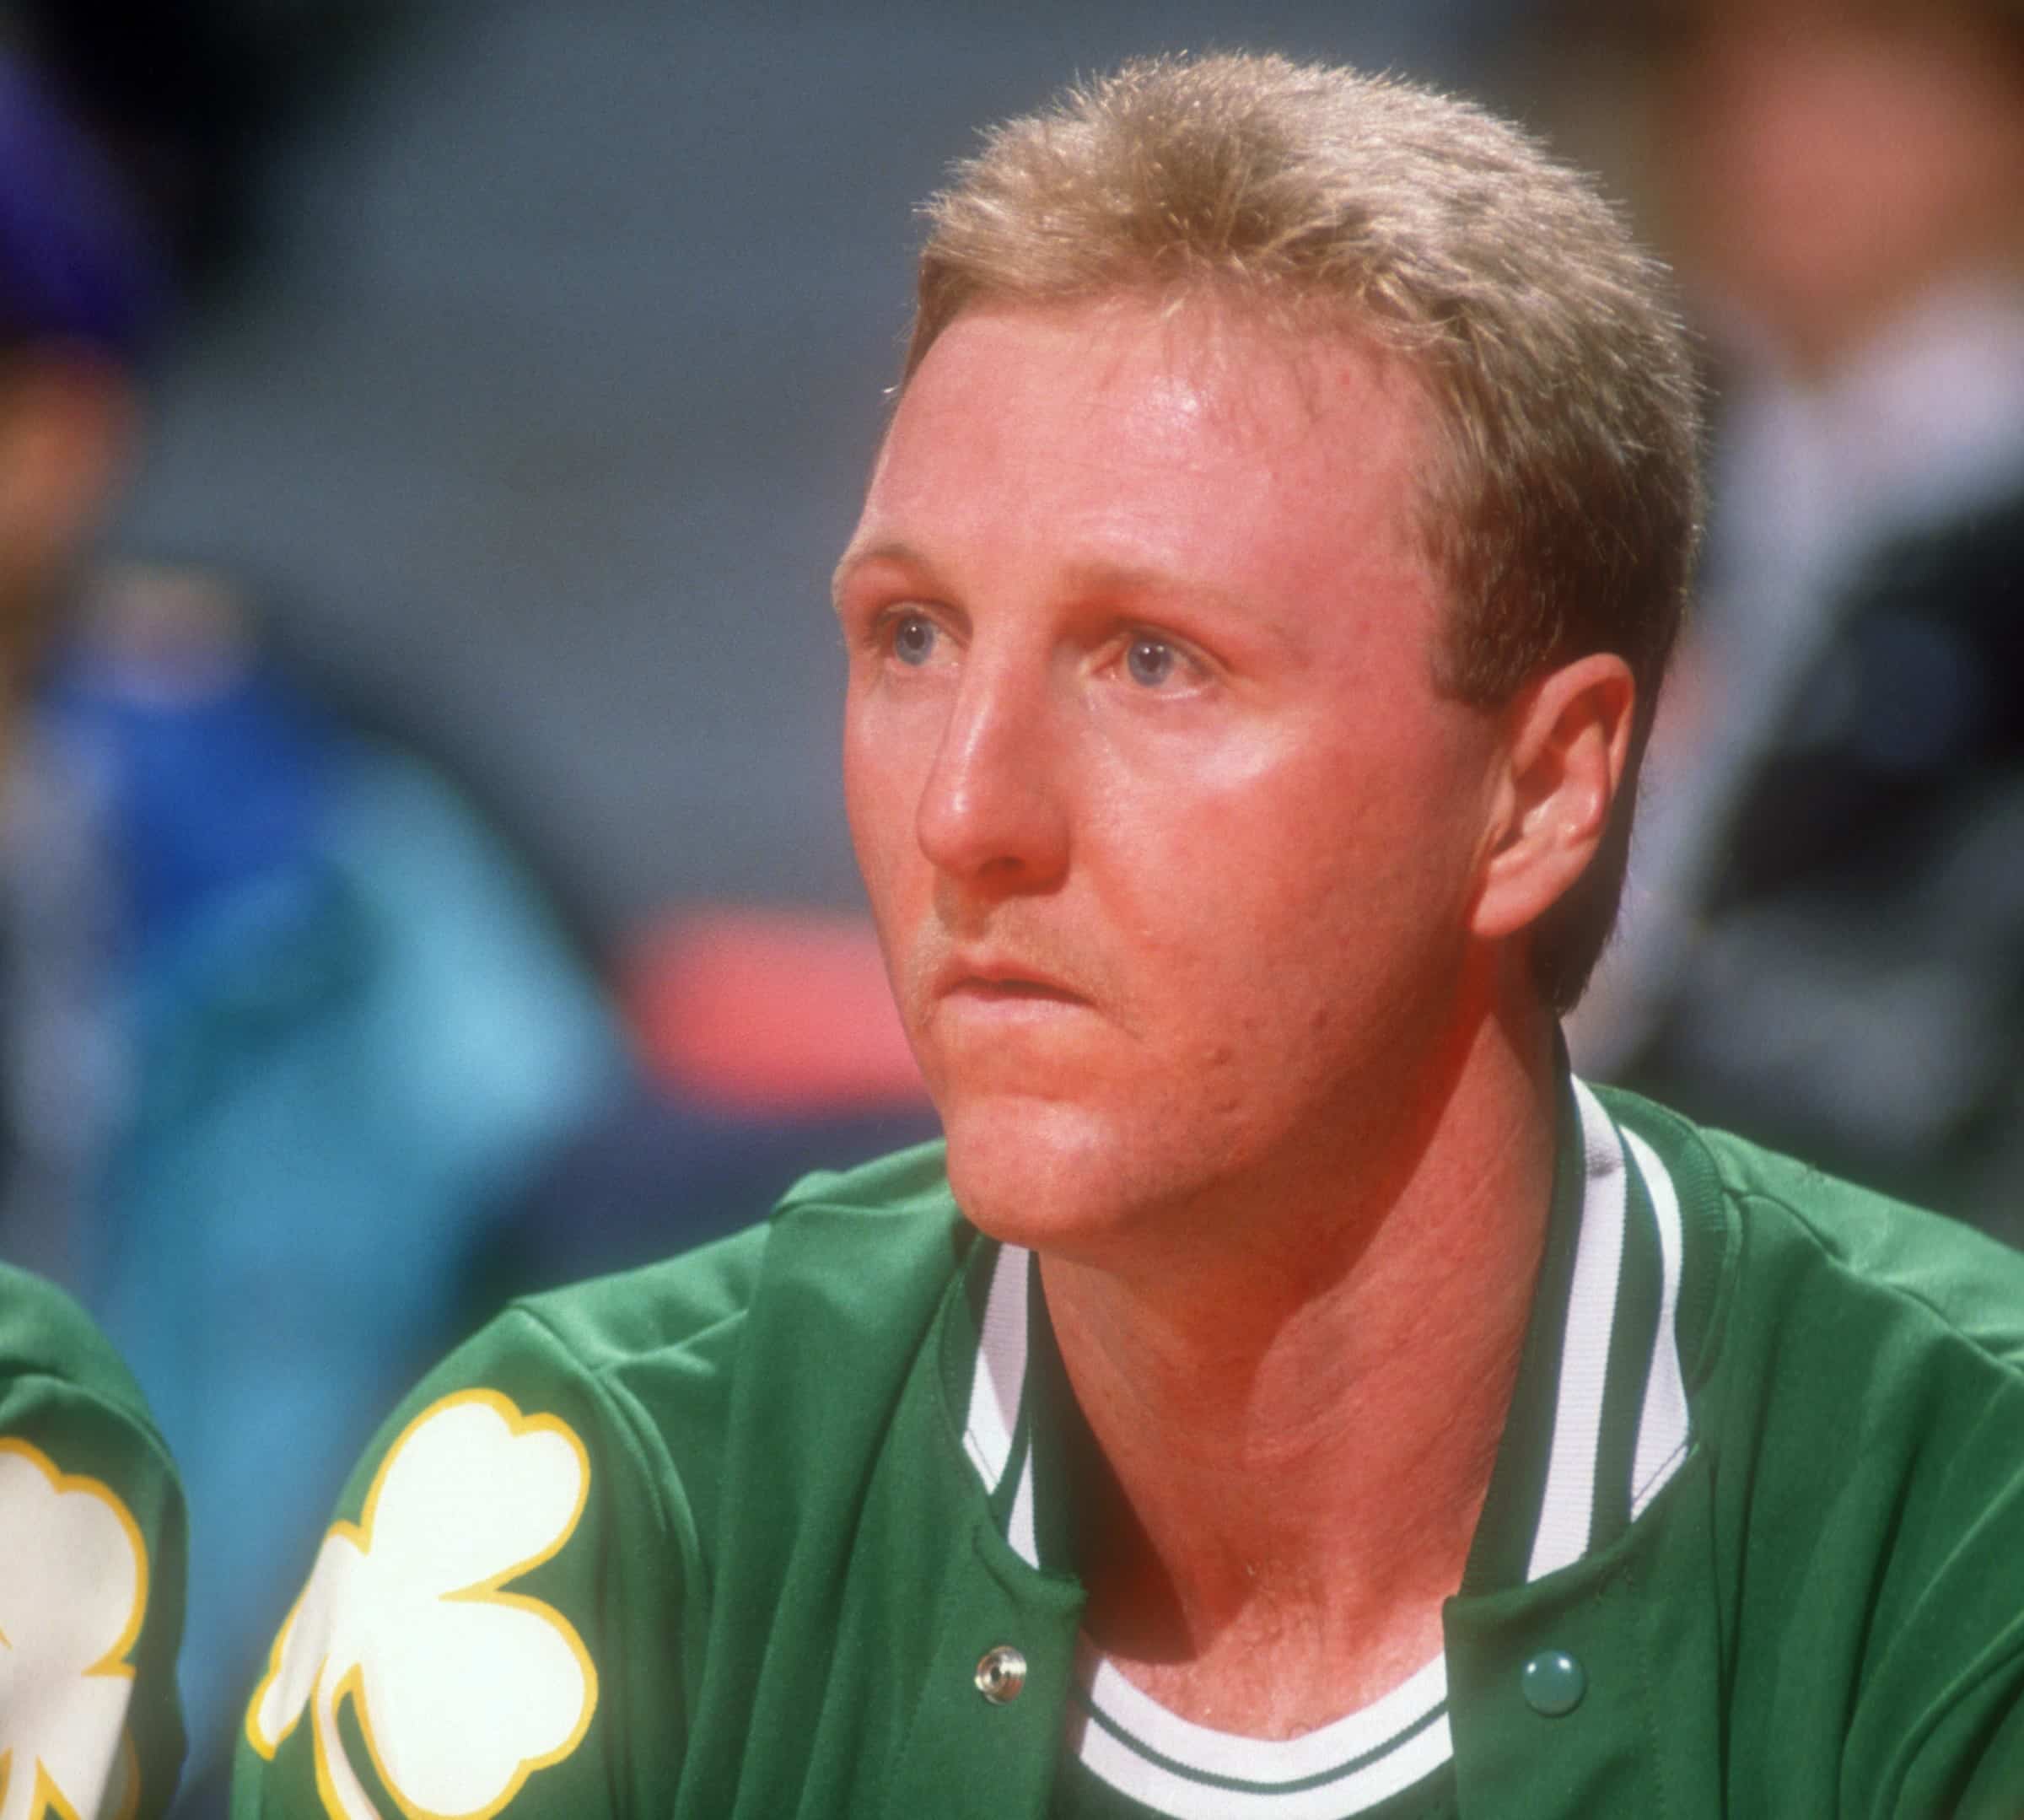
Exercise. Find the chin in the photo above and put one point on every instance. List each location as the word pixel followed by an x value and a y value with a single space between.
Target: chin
pixel 1055 1177
pixel 1034 1172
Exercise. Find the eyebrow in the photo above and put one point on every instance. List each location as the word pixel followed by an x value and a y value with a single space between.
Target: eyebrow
pixel 886 550
pixel 1094 577
pixel 1126 579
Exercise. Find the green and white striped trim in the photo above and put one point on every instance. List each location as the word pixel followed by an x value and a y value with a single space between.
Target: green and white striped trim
pixel 1569 1513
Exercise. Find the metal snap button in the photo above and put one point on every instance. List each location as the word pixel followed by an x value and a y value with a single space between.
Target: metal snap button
pixel 1553 1682
pixel 1001 1672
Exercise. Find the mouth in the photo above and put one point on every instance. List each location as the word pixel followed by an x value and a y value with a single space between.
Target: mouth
pixel 1001 982
pixel 978 986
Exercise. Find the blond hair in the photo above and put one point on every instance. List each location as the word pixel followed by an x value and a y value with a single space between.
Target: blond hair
pixel 1564 504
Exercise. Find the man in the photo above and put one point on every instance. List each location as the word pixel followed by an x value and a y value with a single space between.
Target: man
pixel 92 1534
pixel 1290 1394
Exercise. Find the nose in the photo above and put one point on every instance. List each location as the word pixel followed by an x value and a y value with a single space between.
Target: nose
pixel 993 815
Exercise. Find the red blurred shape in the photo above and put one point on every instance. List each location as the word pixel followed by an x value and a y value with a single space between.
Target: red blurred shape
pixel 769 1011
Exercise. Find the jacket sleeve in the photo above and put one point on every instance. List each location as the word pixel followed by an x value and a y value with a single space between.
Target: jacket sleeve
pixel 1940 1731
pixel 92 1560
pixel 1995 1785
pixel 493 1624
pixel 1971 1766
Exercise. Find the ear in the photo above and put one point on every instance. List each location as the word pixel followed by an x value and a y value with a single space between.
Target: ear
pixel 1567 744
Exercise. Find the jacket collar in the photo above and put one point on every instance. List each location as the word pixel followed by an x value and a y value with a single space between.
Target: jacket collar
pixel 1599 1423
pixel 1599 1420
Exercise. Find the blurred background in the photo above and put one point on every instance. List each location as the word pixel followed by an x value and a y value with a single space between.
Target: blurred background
pixel 426 430
pixel 545 390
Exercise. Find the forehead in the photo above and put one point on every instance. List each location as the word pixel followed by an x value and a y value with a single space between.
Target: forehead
pixel 1195 437
pixel 1217 359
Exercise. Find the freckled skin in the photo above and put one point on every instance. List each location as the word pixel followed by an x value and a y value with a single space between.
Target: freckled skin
pixel 1244 880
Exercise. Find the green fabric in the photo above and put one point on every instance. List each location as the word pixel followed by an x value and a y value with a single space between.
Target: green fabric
pixel 92 1559
pixel 772 1594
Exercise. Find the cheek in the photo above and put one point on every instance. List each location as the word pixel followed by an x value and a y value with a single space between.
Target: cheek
pixel 1304 883
pixel 1216 911
pixel 880 798
pixel 1271 833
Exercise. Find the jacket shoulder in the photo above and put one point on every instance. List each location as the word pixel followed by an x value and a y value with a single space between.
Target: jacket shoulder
pixel 907 1184
pixel 889 1214
pixel 1912 1268
pixel 43 1332
pixel 1788 1236
pixel 1859 1418
pixel 848 1265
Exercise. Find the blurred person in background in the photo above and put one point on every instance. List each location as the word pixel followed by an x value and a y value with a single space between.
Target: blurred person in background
pixel 284 1031
pixel 1823 941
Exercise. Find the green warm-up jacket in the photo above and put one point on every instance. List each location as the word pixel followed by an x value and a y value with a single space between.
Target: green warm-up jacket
pixel 784 1528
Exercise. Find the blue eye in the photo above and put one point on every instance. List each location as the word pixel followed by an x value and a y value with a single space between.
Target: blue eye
pixel 914 637
pixel 1150 662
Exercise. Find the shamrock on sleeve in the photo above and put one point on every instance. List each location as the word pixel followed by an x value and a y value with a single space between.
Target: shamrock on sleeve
pixel 462 1689
pixel 73 1591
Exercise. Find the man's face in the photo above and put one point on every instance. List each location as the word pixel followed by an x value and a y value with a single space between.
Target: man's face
pixel 1171 838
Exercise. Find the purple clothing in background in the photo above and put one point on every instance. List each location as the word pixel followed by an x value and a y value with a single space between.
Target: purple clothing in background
pixel 76 263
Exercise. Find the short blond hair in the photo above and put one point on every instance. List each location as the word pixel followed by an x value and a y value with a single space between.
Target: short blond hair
pixel 1564 504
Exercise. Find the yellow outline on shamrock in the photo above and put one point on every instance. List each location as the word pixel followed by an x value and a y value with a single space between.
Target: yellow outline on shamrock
pixel 484 1592
pixel 49 1797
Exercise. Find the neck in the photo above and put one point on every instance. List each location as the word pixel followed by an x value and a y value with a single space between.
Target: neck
pixel 1295 1450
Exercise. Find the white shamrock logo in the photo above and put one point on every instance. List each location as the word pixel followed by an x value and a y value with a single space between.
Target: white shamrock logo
pixel 461 1691
pixel 73 1590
